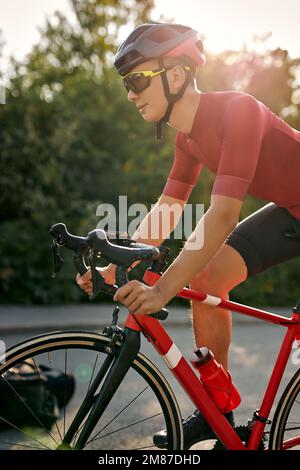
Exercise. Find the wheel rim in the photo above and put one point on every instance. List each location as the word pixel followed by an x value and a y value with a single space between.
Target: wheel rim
pixel 115 430
pixel 290 428
pixel 285 432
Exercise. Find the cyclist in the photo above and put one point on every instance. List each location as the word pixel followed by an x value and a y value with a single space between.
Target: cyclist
pixel 250 150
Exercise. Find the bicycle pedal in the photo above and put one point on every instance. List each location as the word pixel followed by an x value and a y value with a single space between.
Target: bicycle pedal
pixel 244 434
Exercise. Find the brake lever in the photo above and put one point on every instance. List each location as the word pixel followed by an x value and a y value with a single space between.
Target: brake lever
pixel 161 315
pixel 97 279
pixel 99 285
pixel 58 261
pixel 122 275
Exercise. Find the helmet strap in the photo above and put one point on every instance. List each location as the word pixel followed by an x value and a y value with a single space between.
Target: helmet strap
pixel 171 98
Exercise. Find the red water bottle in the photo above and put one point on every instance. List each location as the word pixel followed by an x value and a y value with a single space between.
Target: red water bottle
pixel 216 380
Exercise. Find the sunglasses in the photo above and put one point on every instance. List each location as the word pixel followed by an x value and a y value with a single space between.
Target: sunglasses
pixel 138 81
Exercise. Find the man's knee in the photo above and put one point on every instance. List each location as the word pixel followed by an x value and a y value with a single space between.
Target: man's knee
pixel 209 281
pixel 223 272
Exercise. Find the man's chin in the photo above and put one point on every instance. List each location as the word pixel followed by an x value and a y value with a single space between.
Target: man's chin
pixel 149 118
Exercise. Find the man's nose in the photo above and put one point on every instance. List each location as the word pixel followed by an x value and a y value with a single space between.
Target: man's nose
pixel 131 96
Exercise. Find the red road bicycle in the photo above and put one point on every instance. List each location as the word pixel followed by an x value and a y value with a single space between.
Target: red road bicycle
pixel 121 397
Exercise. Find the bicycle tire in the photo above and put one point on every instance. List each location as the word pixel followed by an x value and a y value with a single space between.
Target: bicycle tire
pixel 286 420
pixel 95 343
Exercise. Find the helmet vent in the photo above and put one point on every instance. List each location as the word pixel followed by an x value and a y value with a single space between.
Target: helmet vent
pixel 164 34
pixel 161 35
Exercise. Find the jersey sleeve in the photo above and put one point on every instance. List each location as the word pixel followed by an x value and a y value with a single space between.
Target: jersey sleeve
pixel 243 133
pixel 184 172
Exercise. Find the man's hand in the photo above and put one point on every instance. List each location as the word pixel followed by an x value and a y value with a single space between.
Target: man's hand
pixel 85 281
pixel 140 299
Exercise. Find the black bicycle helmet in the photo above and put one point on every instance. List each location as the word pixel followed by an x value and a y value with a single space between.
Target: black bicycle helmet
pixel 156 41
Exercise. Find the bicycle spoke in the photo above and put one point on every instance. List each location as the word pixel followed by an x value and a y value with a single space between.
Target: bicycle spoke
pixel 89 386
pixel 58 430
pixel 37 369
pixel 120 412
pixel 293 429
pixel 21 445
pixel 79 429
pixel 39 374
pixel 92 376
pixel 29 409
pixel 125 427
pixel 66 358
pixel 23 432
pixel 145 447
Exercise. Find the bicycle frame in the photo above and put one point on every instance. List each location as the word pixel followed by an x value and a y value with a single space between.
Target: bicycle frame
pixel 114 370
pixel 193 386
pixel 118 362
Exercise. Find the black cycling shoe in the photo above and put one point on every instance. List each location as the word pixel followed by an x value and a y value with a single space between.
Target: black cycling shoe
pixel 195 429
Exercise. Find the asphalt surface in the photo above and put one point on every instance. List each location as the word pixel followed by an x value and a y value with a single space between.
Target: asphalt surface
pixel 20 319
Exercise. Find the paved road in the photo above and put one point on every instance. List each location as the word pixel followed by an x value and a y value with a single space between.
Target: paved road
pixel 254 347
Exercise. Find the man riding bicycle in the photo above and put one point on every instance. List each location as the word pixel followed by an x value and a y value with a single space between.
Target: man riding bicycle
pixel 250 150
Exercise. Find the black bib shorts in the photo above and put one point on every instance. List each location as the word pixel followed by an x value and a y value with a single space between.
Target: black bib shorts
pixel 266 238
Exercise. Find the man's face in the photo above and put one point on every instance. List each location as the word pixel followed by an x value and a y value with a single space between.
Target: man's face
pixel 151 102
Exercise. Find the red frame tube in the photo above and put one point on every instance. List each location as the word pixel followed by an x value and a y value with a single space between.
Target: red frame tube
pixel 295 441
pixel 192 384
pixel 272 387
pixel 151 278
pixel 187 378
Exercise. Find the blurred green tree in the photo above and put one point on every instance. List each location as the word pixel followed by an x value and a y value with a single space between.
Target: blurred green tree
pixel 60 142
pixel 69 141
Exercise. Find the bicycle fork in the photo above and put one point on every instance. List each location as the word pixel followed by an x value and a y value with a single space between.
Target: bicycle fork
pixel 97 404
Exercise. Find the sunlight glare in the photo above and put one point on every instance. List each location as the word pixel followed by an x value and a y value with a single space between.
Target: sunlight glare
pixel 231 24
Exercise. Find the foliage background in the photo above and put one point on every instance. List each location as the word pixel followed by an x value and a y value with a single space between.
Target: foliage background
pixel 69 141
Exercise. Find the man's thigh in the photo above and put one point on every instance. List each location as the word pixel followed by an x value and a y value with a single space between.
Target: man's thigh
pixel 265 238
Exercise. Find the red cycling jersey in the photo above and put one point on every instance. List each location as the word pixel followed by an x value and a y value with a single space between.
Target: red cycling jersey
pixel 248 147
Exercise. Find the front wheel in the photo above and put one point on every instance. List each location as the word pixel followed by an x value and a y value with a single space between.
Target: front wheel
pixel 36 416
pixel 285 430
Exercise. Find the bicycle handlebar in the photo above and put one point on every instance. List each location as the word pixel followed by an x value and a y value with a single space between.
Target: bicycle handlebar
pixel 120 255
pixel 124 253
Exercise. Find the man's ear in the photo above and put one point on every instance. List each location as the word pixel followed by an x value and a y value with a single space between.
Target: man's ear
pixel 176 78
